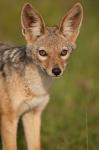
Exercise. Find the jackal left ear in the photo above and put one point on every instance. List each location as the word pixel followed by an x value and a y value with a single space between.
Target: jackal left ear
pixel 71 23
pixel 32 23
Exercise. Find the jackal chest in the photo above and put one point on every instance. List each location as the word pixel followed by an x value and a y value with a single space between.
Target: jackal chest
pixel 29 91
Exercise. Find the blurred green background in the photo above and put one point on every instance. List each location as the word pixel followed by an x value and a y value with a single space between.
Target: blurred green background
pixel 74 104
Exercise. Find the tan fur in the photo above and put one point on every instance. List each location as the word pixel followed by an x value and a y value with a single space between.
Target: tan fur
pixel 26 75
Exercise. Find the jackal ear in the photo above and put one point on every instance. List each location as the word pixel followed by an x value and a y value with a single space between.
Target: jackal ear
pixel 71 23
pixel 32 23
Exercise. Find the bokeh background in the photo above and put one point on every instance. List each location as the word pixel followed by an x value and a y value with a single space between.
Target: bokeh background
pixel 71 120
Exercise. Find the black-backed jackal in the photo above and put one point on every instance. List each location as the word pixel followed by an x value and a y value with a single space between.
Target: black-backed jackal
pixel 26 73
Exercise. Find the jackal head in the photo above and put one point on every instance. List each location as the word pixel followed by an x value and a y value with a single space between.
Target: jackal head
pixel 50 47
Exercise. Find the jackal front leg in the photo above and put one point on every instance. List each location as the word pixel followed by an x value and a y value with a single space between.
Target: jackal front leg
pixel 9 131
pixel 32 126
pixel 32 123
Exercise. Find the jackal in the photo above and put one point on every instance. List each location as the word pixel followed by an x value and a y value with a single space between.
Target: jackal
pixel 26 73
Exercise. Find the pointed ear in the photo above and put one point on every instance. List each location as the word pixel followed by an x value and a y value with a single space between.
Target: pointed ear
pixel 32 23
pixel 71 23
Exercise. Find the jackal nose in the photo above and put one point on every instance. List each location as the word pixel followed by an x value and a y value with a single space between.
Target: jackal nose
pixel 56 71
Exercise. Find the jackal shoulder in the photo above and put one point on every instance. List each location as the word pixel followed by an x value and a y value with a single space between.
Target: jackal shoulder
pixel 11 55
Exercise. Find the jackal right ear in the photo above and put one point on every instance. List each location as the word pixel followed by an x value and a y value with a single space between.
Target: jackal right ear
pixel 32 23
pixel 71 23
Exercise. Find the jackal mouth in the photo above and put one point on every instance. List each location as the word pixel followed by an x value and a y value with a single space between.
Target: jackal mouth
pixel 56 77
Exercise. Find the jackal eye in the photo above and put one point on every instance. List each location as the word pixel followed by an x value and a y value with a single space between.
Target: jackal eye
pixel 64 52
pixel 42 53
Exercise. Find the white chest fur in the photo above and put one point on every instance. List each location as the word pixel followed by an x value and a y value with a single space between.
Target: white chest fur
pixel 38 83
pixel 37 102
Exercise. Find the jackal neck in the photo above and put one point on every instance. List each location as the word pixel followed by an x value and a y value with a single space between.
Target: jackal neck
pixel 37 80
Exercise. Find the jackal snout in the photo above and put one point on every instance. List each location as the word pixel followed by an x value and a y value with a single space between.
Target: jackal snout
pixel 56 71
pixel 51 46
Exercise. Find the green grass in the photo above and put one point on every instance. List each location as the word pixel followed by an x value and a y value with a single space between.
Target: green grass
pixel 77 92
